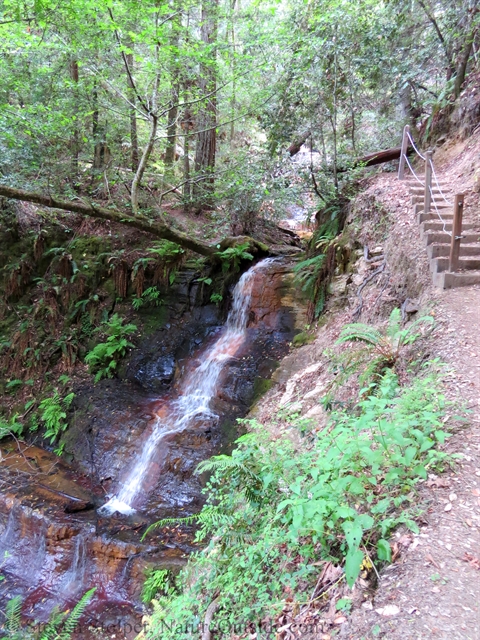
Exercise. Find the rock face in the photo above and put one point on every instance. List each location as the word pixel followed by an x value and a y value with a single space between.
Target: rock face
pixel 73 549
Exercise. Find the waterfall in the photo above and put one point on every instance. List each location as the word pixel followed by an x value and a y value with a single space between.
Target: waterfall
pixel 195 393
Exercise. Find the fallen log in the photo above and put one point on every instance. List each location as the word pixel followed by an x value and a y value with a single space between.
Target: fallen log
pixel 379 157
pixel 140 222
pixel 296 145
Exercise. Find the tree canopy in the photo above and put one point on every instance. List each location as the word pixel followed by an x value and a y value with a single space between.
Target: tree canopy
pixel 134 105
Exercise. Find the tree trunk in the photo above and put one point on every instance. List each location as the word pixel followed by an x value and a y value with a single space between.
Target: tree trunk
pixel 463 62
pixel 174 95
pixel 76 134
pixel 143 163
pixel 207 118
pixel 171 131
pixel 134 156
pixel 296 145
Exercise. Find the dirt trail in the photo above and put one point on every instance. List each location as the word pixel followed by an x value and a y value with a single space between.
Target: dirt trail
pixel 436 583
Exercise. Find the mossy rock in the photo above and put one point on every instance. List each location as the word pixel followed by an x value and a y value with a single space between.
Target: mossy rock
pixel 260 387
pixel 86 246
pixel 303 338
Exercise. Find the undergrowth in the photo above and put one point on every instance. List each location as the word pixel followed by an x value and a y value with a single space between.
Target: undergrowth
pixel 276 512
pixel 60 626
pixel 104 357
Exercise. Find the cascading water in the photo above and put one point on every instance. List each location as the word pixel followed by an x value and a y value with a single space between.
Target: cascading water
pixel 195 394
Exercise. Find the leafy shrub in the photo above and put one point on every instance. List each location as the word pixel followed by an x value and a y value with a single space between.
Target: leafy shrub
pixel 9 426
pixel 150 297
pixel 216 298
pixel 157 581
pixel 233 256
pixel 273 511
pixel 53 413
pixel 104 357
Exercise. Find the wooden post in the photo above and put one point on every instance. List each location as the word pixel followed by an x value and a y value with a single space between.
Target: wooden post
pixel 456 231
pixel 428 182
pixel 403 152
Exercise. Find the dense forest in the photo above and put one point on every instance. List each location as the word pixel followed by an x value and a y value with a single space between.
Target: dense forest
pixel 140 141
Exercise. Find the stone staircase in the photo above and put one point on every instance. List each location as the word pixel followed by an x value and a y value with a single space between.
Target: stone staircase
pixel 435 231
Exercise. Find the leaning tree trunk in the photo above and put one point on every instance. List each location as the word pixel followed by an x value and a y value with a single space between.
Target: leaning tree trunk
pixel 147 152
pixel 206 123
pixel 148 225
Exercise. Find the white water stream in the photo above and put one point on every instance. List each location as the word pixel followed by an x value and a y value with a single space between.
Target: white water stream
pixel 196 392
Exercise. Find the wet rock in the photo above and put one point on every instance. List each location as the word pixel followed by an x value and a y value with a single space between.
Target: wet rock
pixel 155 375
pixel 76 507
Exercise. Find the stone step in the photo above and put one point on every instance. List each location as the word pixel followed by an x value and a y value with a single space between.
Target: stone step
pixel 439 201
pixel 443 250
pixel 411 181
pixel 444 238
pixel 438 265
pixel 419 188
pixel 418 208
pixel 433 215
pixel 446 280
pixel 438 225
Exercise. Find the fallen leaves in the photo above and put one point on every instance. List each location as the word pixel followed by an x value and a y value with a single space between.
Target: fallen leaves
pixel 429 558
pixel 472 560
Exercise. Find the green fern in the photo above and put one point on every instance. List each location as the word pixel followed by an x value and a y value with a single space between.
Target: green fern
pixel 225 463
pixel 381 349
pixel 389 343
pixel 13 613
pixel 233 256
pixel 104 357
pixel 73 619
pixel 55 620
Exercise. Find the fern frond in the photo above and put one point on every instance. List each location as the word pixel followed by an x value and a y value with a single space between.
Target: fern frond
pixel 51 630
pixel 224 463
pixel 394 323
pixel 359 332
pixel 167 521
pixel 72 621
pixel 426 322
pixel 13 613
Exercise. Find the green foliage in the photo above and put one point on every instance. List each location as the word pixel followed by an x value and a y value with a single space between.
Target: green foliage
pixel 104 357
pixel 382 348
pixel 13 615
pixel 169 256
pixel 60 626
pixel 233 256
pixel 216 298
pixel 53 414
pixel 9 426
pixel 274 509
pixel 308 272
pixel 157 581
pixel 150 297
